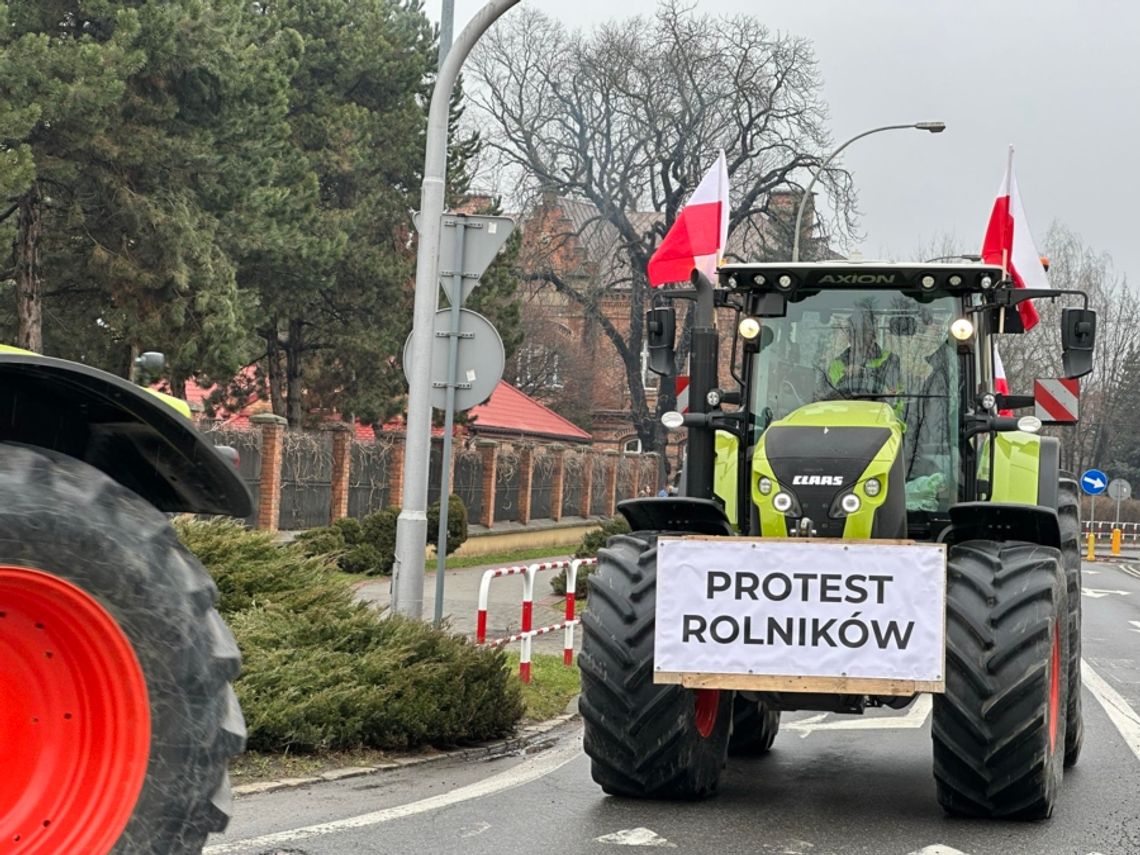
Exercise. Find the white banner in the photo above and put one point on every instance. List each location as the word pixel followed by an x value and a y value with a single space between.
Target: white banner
pixel 801 608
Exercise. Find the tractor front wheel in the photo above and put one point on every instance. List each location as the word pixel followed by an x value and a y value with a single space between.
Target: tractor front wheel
pixel 754 727
pixel 1069 517
pixel 118 716
pixel 644 740
pixel 999 728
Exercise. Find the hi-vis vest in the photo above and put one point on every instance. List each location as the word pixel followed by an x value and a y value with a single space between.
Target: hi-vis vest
pixel 838 368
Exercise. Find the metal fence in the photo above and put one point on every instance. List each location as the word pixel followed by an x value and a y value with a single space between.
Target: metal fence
pixel 306 480
pixel 247 443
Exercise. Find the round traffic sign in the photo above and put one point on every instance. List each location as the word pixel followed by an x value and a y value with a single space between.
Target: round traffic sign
pixel 480 363
pixel 1094 482
pixel 1119 489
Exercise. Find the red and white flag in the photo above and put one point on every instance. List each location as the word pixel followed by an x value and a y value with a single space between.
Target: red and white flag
pixel 698 235
pixel 1008 243
pixel 1001 385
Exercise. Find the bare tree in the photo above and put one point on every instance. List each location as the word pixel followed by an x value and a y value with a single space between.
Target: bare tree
pixel 1105 409
pixel 626 119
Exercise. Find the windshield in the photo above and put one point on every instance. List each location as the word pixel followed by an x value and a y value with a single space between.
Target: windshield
pixel 871 345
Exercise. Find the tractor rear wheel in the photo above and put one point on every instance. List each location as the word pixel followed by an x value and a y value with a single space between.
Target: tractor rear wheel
pixel 999 728
pixel 754 727
pixel 1069 515
pixel 644 740
pixel 117 699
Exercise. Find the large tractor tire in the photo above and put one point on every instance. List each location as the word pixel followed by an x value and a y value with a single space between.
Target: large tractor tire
pixel 118 718
pixel 754 728
pixel 644 740
pixel 999 729
pixel 1069 515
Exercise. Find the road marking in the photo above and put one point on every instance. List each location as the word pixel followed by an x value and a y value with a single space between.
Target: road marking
pixel 938 849
pixel 1136 624
pixel 915 718
pixel 528 771
pixel 635 837
pixel 1123 716
pixel 475 830
pixel 1130 570
pixel 1096 593
pixel 1090 572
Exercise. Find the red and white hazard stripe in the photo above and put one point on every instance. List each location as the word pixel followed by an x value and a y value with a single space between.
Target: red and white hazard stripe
pixel 1057 400
pixel 682 387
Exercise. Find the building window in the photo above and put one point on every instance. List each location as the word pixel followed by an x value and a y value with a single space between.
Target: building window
pixel 632 445
pixel 539 367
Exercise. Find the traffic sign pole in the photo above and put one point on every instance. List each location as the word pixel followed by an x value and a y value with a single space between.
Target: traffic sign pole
pixel 411 526
pixel 455 297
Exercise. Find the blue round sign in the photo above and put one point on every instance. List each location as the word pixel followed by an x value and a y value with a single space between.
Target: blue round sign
pixel 1094 482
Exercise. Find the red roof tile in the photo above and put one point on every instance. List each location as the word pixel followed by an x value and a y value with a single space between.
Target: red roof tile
pixel 510 411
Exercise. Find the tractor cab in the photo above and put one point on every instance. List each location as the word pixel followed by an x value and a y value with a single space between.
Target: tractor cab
pixel 866 399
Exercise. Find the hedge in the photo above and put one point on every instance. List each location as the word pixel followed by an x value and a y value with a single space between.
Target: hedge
pixel 368 545
pixel 323 671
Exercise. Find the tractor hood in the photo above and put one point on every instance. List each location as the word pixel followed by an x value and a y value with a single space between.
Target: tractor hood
pixel 824 455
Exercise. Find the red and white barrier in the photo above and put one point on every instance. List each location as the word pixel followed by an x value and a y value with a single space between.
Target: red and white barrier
pixel 527 631
pixel 1129 531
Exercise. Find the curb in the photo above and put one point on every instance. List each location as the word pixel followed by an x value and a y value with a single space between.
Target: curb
pixel 529 739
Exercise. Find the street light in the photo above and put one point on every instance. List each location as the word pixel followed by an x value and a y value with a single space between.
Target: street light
pixel 931 127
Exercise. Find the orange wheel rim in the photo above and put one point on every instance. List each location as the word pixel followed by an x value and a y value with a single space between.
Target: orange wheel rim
pixel 75 721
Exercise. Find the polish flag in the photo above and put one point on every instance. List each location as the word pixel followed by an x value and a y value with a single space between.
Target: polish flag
pixel 698 235
pixel 1008 243
pixel 1001 385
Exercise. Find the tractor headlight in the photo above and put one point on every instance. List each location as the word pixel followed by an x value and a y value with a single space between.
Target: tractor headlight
pixel 962 329
pixel 764 485
pixel 872 487
pixel 749 328
pixel 783 502
pixel 850 503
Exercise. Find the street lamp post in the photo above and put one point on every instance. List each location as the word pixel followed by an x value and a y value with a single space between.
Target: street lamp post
pixel 411 525
pixel 931 127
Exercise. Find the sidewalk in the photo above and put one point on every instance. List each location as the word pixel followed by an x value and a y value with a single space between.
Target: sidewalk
pixel 504 605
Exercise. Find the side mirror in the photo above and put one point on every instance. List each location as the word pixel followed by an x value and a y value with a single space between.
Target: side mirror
pixel 1078 337
pixel 660 332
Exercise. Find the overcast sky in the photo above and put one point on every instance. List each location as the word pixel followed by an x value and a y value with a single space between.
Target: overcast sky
pixel 1058 79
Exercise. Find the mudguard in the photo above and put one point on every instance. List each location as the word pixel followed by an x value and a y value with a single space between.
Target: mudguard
pixel 142 442
pixel 675 513
pixel 1003 521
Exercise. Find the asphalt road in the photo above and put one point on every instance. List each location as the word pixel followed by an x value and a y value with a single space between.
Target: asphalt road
pixel 832 784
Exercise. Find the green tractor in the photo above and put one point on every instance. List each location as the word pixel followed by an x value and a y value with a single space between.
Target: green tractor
pixel 861 429
pixel 118 717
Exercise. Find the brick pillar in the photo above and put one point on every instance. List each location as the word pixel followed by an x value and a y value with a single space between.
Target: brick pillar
pixel 587 482
pixel 396 470
pixel 557 480
pixel 526 477
pixel 489 452
pixel 635 475
pixel 611 481
pixel 652 465
pixel 341 466
pixel 272 449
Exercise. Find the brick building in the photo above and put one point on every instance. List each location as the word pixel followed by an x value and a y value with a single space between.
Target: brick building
pixel 573 263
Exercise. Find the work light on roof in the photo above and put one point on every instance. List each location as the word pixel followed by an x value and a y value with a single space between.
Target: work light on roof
pixel 784 282
pixel 928 281
pixel 987 282
pixel 955 280
pixel 759 279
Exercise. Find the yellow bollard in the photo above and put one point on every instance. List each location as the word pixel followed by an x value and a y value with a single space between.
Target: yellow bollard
pixel 1091 556
pixel 1116 541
